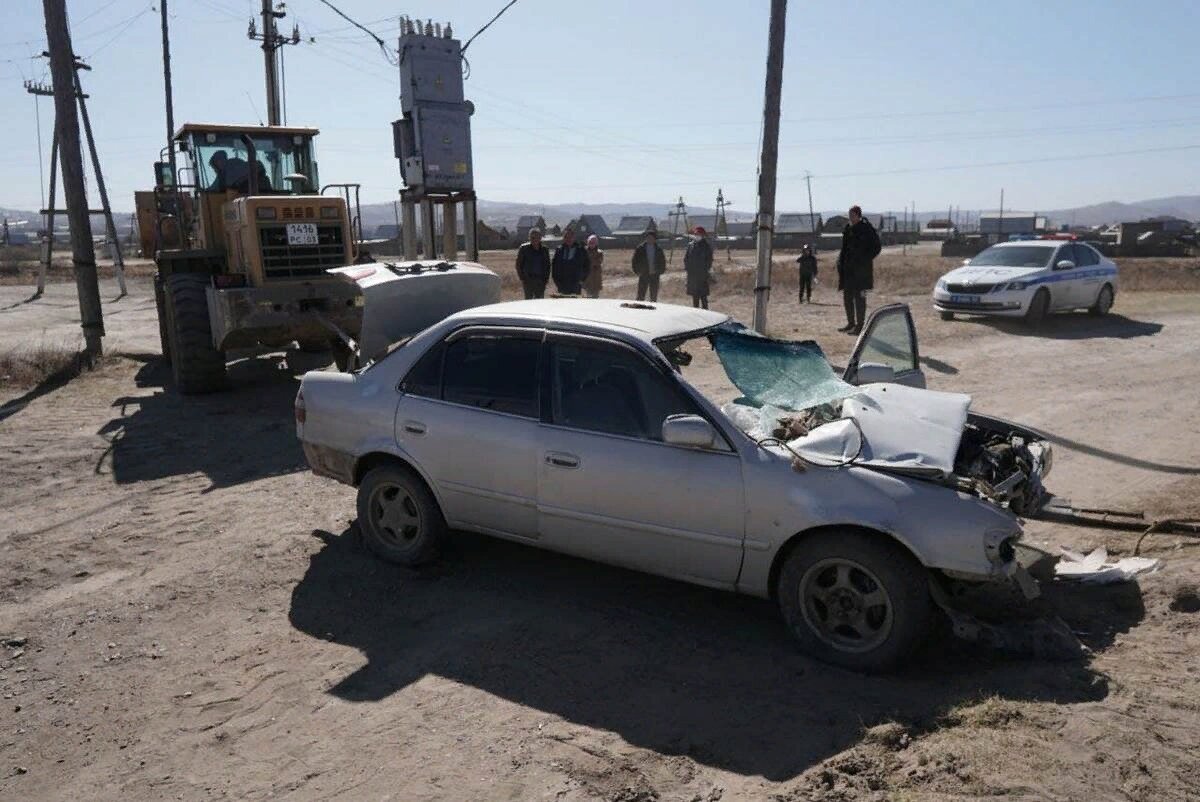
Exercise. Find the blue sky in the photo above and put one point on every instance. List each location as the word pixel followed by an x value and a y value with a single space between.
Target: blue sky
pixel 885 103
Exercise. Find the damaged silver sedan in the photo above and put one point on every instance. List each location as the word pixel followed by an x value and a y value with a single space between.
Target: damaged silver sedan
pixel 576 426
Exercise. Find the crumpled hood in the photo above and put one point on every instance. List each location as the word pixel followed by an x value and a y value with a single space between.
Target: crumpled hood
pixel 894 426
pixel 887 425
pixel 968 274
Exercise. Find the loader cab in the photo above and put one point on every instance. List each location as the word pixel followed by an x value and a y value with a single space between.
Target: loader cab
pixel 253 160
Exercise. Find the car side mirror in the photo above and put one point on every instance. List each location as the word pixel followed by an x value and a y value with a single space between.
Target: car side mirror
pixel 874 373
pixel 1065 264
pixel 688 430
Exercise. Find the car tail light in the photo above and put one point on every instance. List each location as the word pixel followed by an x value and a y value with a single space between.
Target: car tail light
pixel 301 413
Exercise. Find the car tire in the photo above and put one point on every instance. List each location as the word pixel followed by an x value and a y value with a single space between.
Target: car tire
pixel 1038 309
pixel 398 516
pixel 855 599
pixel 946 315
pixel 1104 302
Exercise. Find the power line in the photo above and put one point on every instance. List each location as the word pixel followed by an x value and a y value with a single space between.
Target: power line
pixel 507 6
pixel 382 45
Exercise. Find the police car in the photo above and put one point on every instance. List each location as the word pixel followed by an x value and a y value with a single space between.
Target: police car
pixel 1029 279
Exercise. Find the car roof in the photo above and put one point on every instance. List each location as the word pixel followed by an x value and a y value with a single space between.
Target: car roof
pixel 1037 243
pixel 643 321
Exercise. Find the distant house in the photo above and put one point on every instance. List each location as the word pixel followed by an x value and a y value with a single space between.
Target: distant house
pixel 587 224
pixel 528 221
pixel 997 224
pixel 740 229
pixel 631 229
pixel 835 224
pixel 634 226
pixel 793 229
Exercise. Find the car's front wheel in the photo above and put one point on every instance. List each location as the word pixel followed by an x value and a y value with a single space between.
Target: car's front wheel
pixel 1104 302
pixel 399 518
pixel 854 599
pixel 1038 309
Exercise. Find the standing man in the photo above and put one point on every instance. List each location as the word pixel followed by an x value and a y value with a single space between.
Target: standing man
pixel 649 263
pixel 570 265
pixel 856 270
pixel 808 272
pixel 595 279
pixel 533 266
pixel 697 261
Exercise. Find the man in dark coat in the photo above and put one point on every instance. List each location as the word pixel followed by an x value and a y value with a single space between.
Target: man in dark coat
pixel 697 261
pixel 808 271
pixel 649 263
pixel 570 265
pixel 533 266
pixel 855 267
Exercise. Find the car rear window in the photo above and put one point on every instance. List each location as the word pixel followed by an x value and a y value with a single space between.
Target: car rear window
pixel 1014 256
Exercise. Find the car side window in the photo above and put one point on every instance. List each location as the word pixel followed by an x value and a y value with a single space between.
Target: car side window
pixel 890 342
pixel 1085 256
pixel 425 377
pixel 611 390
pixel 496 372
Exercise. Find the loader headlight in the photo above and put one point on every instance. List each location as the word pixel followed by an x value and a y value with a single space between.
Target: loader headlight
pixel 266 212
pixel 330 213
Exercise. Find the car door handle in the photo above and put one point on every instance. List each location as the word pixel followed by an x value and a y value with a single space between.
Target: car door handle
pixel 560 460
pixel 414 427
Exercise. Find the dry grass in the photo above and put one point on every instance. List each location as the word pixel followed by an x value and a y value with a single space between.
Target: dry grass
pixel 19 265
pixel 28 366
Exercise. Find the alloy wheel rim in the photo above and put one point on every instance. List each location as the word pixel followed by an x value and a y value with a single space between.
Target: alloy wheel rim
pixel 845 605
pixel 395 516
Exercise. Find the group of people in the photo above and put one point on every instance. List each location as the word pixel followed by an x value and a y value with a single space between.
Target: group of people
pixel 855 269
pixel 577 270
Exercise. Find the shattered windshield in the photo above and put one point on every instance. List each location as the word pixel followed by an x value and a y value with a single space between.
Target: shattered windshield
pixel 756 379
pixel 1014 256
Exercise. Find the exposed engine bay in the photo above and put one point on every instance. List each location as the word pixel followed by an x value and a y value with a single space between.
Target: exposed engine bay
pixel 1004 463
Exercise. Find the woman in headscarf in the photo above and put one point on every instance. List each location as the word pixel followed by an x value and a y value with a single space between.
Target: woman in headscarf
pixel 593 282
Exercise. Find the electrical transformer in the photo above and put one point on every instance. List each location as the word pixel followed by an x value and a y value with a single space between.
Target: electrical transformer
pixel 433 138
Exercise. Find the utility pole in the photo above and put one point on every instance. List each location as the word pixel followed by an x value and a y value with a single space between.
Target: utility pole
pixel 83 255
pixel 1000 230
pixel 812 220
pixel 678 215
pixel 166 56
pixel 768 162
pixel 271 42
pixel 118 259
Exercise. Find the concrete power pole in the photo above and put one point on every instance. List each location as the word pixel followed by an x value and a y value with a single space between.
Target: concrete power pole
pixel 769 160
pixel 812 219
pixel 271 42
pixel 83 256
pixel 166 55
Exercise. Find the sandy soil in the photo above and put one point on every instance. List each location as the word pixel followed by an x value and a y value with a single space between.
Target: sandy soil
pixel 188 613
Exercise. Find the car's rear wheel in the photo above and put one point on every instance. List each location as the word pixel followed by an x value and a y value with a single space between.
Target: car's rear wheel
pixel 854 599
pixel 1038 309
pixel 399 518
pixel 946 315
pixel 1104 302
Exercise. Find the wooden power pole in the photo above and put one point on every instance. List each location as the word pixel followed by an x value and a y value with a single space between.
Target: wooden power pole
pixel 83 255
pixel 769 160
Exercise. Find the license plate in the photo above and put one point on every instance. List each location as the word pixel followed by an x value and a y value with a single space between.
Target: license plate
pixel 302 233
pixel 964 299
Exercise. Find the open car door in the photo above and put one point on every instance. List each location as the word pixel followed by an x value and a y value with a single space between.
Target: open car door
pixel 886 350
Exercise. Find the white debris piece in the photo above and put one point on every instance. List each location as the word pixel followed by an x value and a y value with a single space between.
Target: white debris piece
pixel 1095 567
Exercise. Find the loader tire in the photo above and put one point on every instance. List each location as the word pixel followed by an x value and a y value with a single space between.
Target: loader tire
pixel 196 365
pixel 160 305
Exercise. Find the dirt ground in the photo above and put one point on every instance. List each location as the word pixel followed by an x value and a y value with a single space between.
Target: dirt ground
pixel 187 612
